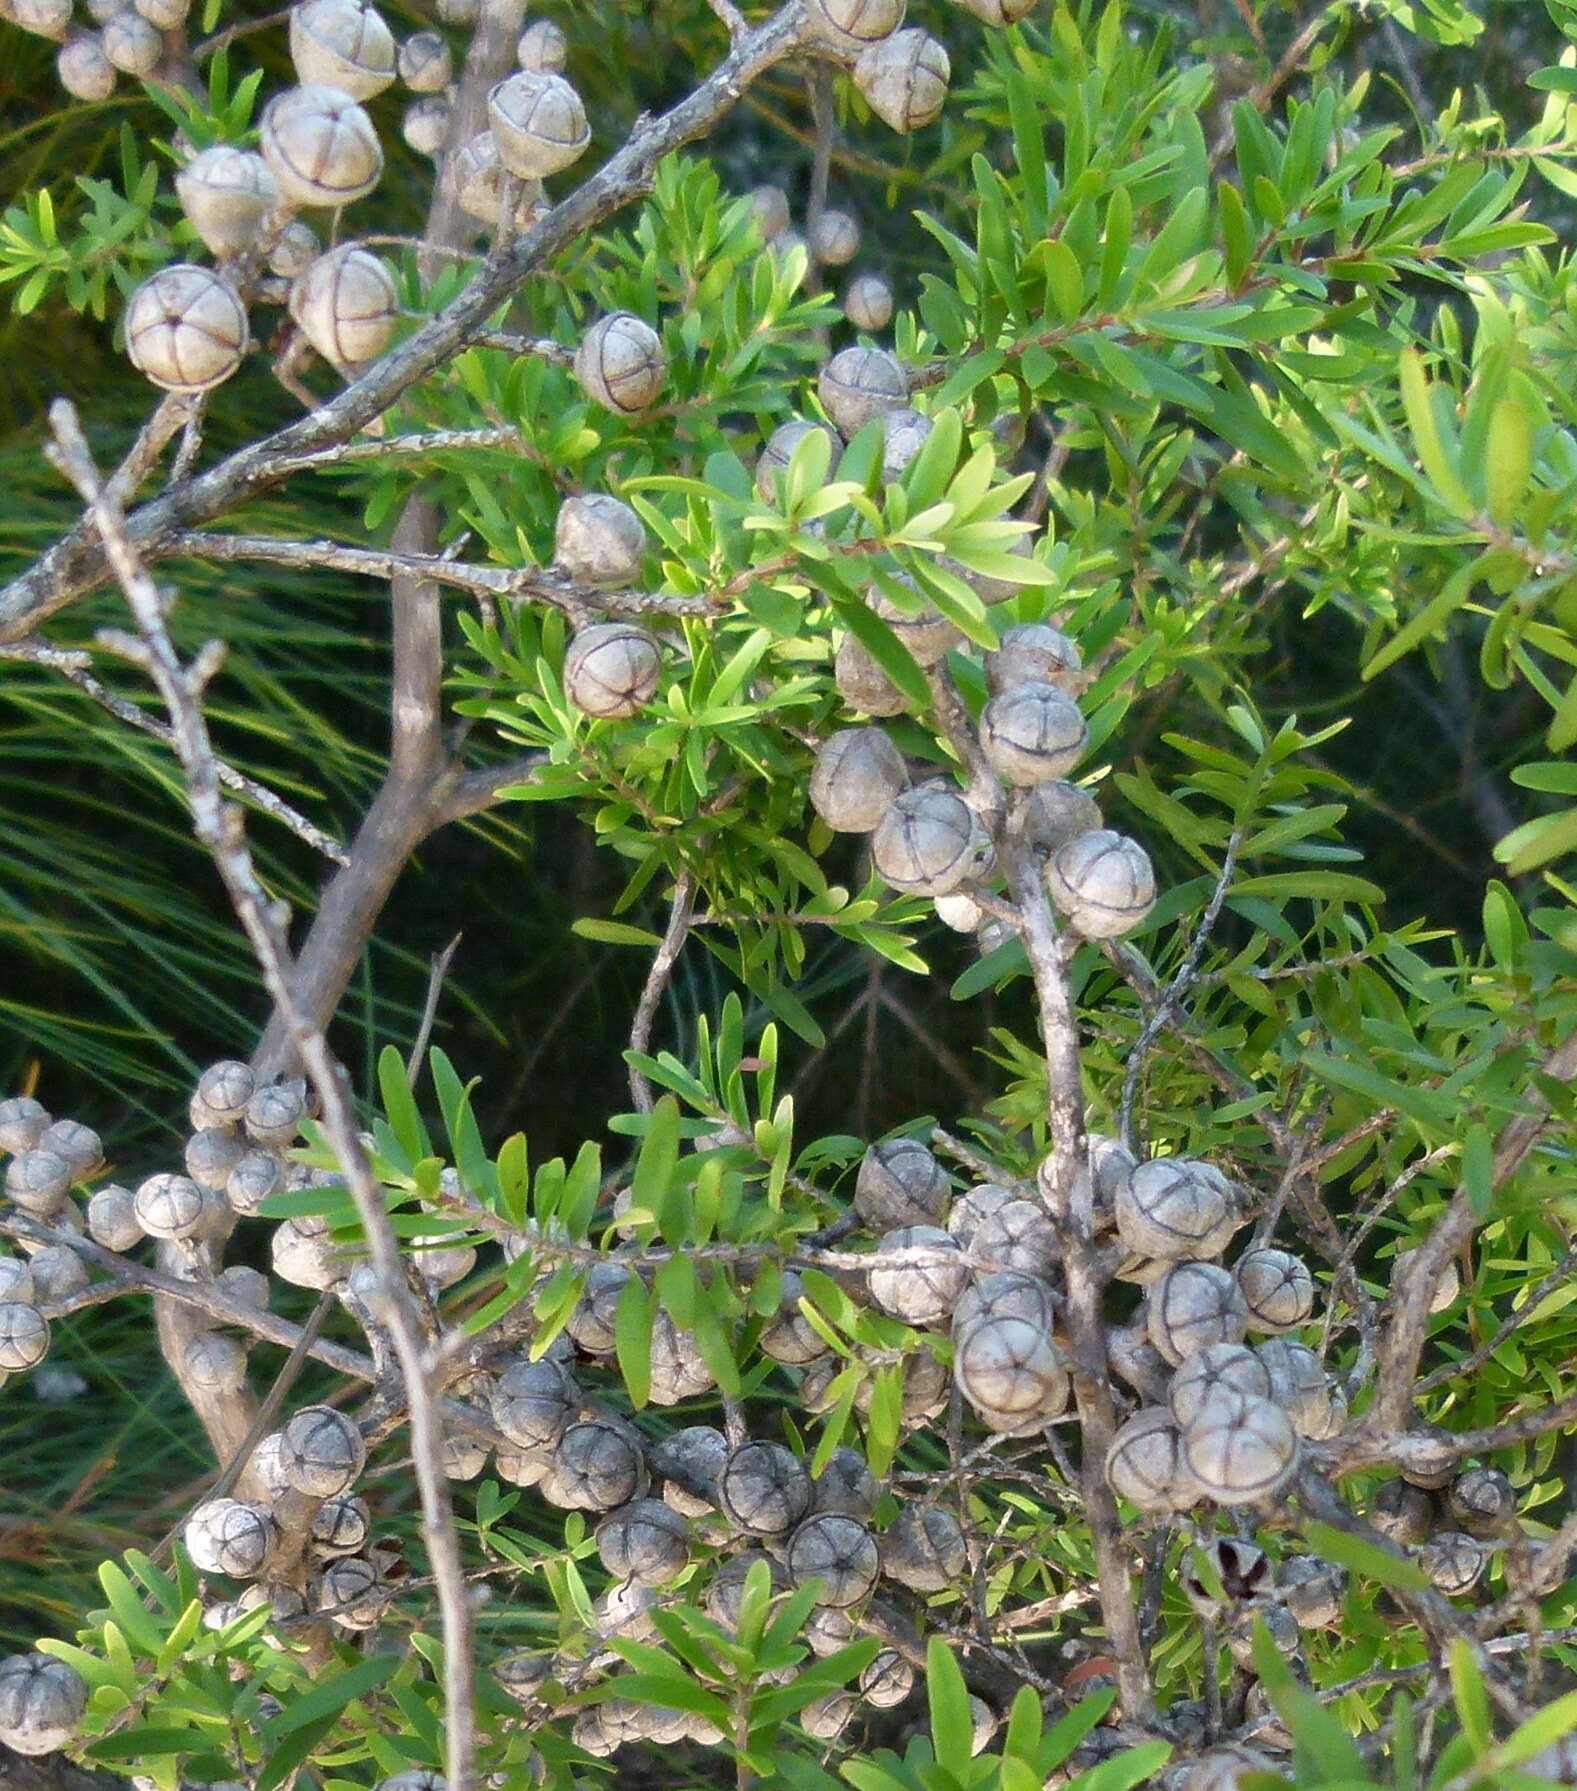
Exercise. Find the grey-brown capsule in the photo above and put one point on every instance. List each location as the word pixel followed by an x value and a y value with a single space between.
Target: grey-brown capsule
pixel 1009 1370
pixel 538 123
pixel 1279 1622
pixel 927 843
pixel 778 451
pixel 790 1337
pixel 131 44
pixel 1055 813
pixel 293 249
pixel 611 669
pixel 925 1549
pixel 851 24
pixel 320 146
pixel 1242 1569
pixel 620 364
pixel 229 1536
pixel 904 79
pixel 857 777
pixel 1103 883
pixel 1175 1209
pixel 868 302
pixel 44 18
pixel 904 434
pixel 836 1551
pixel 1453 1561
pixel 859 384
pixel 211 1157
pixel 976 1204
pixel 186 329
pixel 351 1593
pixel 84 70
pixel 1007 1293
pixel 23 1121
pixel 834 238
pixel 846 1485
pixel 1230 1366
pixel 274 1114
pixel 923 1287
pixel 596 1466
pixel 532 1402
pixel 1403 1512
pixel 763 1489
pixel 479 178
pixel 887 1681
pixel 24 1336
pixel 644 1541
pixel 679 1370
pixel 1277 1288
pixel 226 193
pixel 900 1183
pixel 322 1453
pixel 1482 1501
pixel 599 540
pixel 542 48
pixel 42 1703
pixel 16 1280
pixel 343 44
pixel 689 1460
pixel 1144 1463
pixel 425 63
pixel 1313 1590
pixel 252 1180
pixel 1299 1383
pixel 1240 1449
pixel 170 1206
pixel 38 1181
pixel 341 1525
pixel 214 1362
pixel 1018 1236
pixel 77 1144
pixel 927 635
pixel 1031 734
pixel 425 125
pixel 1194 1304
pixel 1034 653
pixel 862 683
pixel 346 304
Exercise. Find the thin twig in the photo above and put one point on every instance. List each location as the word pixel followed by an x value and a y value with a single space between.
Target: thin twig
pixel 663 960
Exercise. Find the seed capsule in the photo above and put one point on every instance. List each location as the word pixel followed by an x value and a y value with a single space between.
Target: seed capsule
pixel 1034 653
pixel 1175 1209
pixel 1403 1512
pixel 976 1204
pixel 860 384
pixel 596 1466
pixel 532 1402
pixel 131 44
pixel 999 12
pixel 644 1541
pixel 868 302
pixel 1277 1289
pixel 904 79
pixel 1482 1501
pixel 293 250
pixel 1277 1620
pixel 846 1486
pixel 1242 1569
pixel 1009 1370
pixel 79 1145
pixel 85 71
pixel 24 1336
pixel 42 1703
pixel 44 18
pixel 862 683
pixel 922 1290
pixel 252 1180
pixel 346 304
pixel 763 1489
pixel 229 1536
pixel 927 843
pixel 38 1181
pixel 900 1183
pixel 925 1549
pixel 322 1453
pixel 611 669
pixel 214 1362
pixel 887 1681
pixel 1018 1236
pixel 1055 813
pixel 779 450
pixel 1194 1304
pixel 1448 1283
pixel 542 47
pixel 211 1157
pixel 1313 1590
pixel 1454 1562
pixel 790 1337
pixel 851 24
pixel 1231 1367
pixel 274 1114
pixel 620 364
pixel 858 776
pixel 340 43
pixel 834 238
pixel 839 1553
pixel 926 633
pixel 678 1368
pixel 186 329
pixel 1144 1463
pixel 599 540
pixel 320 146
pixel 689 1461
pixel 226 193
pixel 1008 1293
pixel 1103 884
pixel 425 124
pixel 1239 1449
pixel 352 1594
pixel 170 1206
pixel 904 434
pixel 23 1121
pixel 16 1281
pixel 425 63
pixel 538 123
pixel 1031 734
pixel 1299 1383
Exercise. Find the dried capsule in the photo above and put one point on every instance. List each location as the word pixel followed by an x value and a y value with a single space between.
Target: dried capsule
pixel 44 18
pixel 1241 1569
pixel 1230 1366
pixel 341 1525
pixel 927 843
pixel 825 1718
pixel 1453 1561
pixel 1194 1304
pixel 858 776
pixel 542 48
pixel 1482 1501
pixel 1018 1236
pixel 230 1536
pixel 789 1336
pixel 1009 1370
pixel 85 71
pixel 859 384
pixel 226 193
pixel 170 1206
pixel 167 15
pixel 925 1549
pixel 24 1336
pixel 351 1593
pixel 1006 1294
pixel 620 364
pixel 862 683
pixel 211 1157
pixel 320 146
pixel 305 1258
pixel 999 12
pixel 186 329
pixel 903 79
pixel 252 1180
pixel 900 1183
pixel 868 302
pixel 976 1204
pixel 274 1114
pixel 833 238
pixel 38 1181
pixel 846 1485
pixel 611 669
pixel 1313 1590
pixel 596 1466
pixel 1278 1621
pixel 836 1551
pixel 58 1274
pixel 763 1489
pixel 425 63
pixel 591 1324
pixel 851 24
pixel 23 1121
pixel 322 1453
pixel 1103 884
pixel 904 434
pixel 689 1461
pixel 1144 1463
pixel 214 1362
pixel 1277 1289
pixel 645 1541
pixel 1403 1512
pixel 16 1281
pixel 538 123
pixel 131 44
pixel 921 1287
pixel 425 124
pixel 78 1145
pixel 1055 813
pixel 42 1703
pixel 343 44
pixel 346 304
pixel 1240 1449
pixel 778 451
pixel 1034 653
pixel 927 635
pixel 1031 734
pixel 599 540
pixel 1176 1209
pixel 678 1369
pixel 887 1681
pixel 293 249
pixel 464 1456
pixel 532 1402
pixel 1298 1381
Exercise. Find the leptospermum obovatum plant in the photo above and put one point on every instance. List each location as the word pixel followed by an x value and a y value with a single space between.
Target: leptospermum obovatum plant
pixel 1159 1421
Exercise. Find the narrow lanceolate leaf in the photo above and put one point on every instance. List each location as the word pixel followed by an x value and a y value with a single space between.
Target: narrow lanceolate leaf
pixel 1423 421
pixel 632 1340
pixel 1508 461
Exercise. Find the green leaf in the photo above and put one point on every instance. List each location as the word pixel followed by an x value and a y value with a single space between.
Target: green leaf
pixel 1364 1557
pixel 1469 1696
pixel 952 1729
pixel 1543 1729
pixel 614 932
pixel 1478 1170
pixel 1508 461
pixel 399 1105
pixel 632 1340
pixel 331 1697
pixel 1418 401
